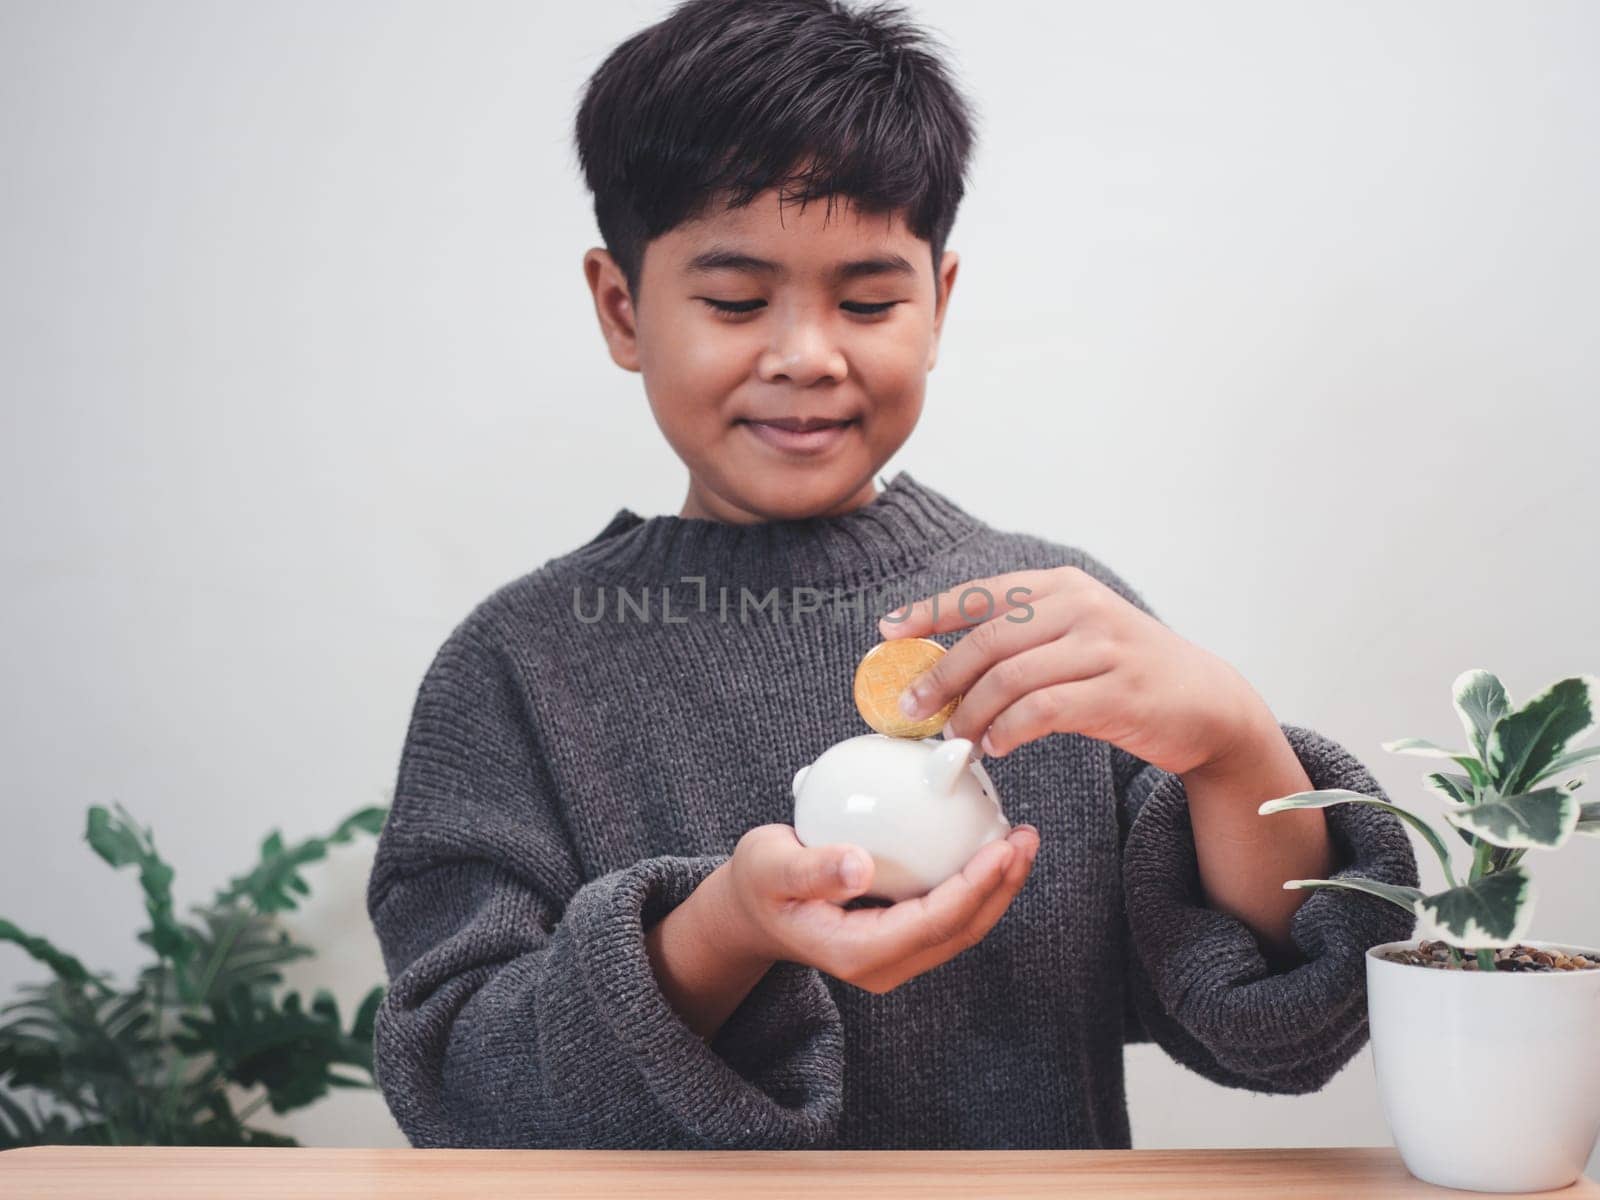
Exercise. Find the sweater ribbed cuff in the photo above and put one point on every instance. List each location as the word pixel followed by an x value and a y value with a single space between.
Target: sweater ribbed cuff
pixel 1224 1008
pixel 772 1078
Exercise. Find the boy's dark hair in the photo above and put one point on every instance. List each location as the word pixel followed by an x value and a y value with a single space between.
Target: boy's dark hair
pixel 732 97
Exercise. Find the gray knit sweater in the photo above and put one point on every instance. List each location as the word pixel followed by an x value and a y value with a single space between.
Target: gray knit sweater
pixel 595 736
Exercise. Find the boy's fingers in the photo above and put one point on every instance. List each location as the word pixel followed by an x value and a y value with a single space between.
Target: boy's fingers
pixel 987 917
pixel 879 937
pixel 965 605
pixel 1010 884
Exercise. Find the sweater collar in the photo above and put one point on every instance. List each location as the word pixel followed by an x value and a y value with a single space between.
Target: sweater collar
pixel 903 527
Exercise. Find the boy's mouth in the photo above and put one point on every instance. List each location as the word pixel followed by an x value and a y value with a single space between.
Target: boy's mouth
pixel 796 435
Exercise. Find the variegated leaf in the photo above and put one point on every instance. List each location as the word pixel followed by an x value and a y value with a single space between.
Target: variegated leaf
pixel 1325 797
pixel 1480 701
pixel 1527 742
pixel 1541 819
pixel 1408 898
pixel 1468 762
pixel 1490 912
pixel 1454 789
pixel 1567 761
pixel 1588 819
pixel 1421 746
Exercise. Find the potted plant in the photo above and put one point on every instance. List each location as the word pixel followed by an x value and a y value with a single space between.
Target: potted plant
pixel 1485 1047
pixel 153 1064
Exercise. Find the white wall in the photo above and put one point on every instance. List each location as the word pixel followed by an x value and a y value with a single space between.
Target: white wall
pixel 298 364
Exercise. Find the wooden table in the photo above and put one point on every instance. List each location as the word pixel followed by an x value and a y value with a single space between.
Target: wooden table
pixel 163 1173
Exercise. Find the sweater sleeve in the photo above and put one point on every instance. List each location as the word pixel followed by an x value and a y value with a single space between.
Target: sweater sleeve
pixel 522 1009
pixel 1199 981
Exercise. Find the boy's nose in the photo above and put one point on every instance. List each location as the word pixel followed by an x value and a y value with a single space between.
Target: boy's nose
pixel 803 354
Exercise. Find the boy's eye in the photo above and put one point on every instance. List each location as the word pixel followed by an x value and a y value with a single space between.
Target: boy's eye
pixel 745 306
pixel 734 306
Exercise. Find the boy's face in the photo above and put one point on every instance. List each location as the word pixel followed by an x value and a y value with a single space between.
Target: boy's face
pixel 841 326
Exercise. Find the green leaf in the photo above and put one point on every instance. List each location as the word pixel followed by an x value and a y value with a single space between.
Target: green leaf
pixel 1543 819
pixel 367 1015
pixel 1398 894
pixel 1529 741
pixel 35 1063
pixel 237 946
pixel 92 1054
pixel 67 968
pixel 1325 797
pixel 225 1129
pixel 1489 912
pixel 280 1046
pixel 122 843
pixel 19 1127
pixel 1480 701
pixel 22 1128
pixel 148 1067
pixel 260 1137
pixel 361 1030
pixel 278 873
pixel 1588 819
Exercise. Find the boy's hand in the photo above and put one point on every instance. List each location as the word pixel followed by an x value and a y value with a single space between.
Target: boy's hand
pixel 782 901
pixel 1057 651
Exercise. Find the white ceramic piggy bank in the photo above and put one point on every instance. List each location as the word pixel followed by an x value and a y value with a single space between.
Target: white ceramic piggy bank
pixel 919 807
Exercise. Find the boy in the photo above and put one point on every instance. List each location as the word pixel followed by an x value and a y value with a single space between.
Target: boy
pixel 599 926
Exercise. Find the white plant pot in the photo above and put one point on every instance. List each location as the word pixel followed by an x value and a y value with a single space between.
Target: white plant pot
pixel 1489 1081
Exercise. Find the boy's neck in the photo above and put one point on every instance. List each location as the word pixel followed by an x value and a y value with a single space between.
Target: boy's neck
pixel 703 504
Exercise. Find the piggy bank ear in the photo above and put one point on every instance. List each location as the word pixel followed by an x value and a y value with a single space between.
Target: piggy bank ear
pixel 798 776
pixel 946 764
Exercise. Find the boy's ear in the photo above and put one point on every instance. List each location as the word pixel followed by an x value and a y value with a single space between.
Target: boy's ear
pixel 614 306
pixel 946 281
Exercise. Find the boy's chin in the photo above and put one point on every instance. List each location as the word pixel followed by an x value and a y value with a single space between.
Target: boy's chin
pixel 791 491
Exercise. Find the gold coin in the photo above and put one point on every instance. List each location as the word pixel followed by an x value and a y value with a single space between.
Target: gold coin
pixel 883 674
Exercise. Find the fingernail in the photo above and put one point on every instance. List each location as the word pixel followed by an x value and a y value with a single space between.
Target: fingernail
pixel 988 746
pixel 911 701
pixel 852 870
